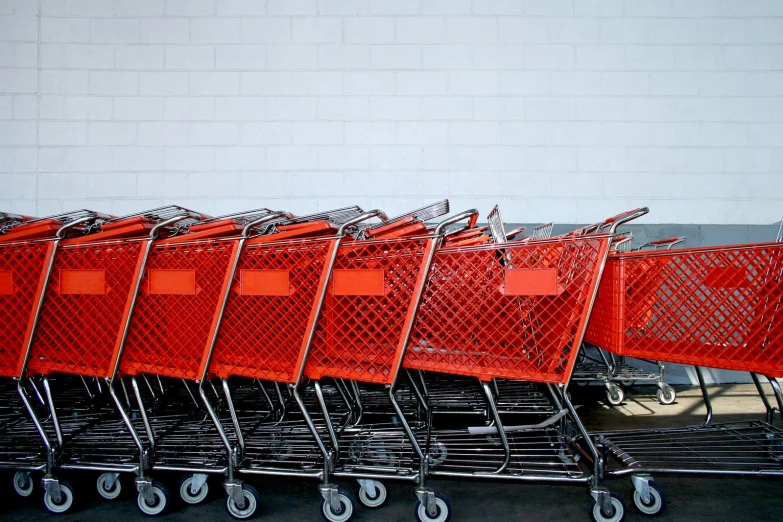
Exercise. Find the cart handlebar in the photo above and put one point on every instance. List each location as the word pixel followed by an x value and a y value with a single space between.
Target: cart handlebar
pixel 362 217
pixel 63 229
pixel 264 219
pixel 615 221
pixel 513 233
pixel 668 243
pixel 471 214
pixel 156 229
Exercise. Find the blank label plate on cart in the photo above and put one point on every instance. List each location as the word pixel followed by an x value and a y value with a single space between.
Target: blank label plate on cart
pixel 531 282
pixel 6 282
pixel 358 282
pixel 172 282
pixel 83 282
pixel 264 282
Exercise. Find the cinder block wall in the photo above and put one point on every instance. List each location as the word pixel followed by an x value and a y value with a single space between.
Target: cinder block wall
pixel 564 110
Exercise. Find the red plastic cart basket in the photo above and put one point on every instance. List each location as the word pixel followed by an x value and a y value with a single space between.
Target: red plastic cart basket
pixel 271 305
pixel 176 306
pixel 512 310
pixel 25 253
pixel 370 303
pixel 22 273
pixel 718 307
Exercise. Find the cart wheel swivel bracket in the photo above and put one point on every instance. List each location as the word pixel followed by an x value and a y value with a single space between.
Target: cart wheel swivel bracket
pixel 234 491
pixel 144 487
pixel 369 486
pixel 427 497
pixel 198 481
pixel 641 483
pixel 111 479
pixel 331 494
pixel 603 498
pixel 52 487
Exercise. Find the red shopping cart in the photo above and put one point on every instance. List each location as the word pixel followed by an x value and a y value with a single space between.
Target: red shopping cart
pixel 515 310
pixel 27 252
pixel 712 306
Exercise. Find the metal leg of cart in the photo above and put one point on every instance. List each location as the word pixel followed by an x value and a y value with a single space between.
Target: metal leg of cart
pixel 427 497
pixel 769 409
pixel 335 501
pixel 605 505
pixel 705 394
pixel 242 500
pixel 57 494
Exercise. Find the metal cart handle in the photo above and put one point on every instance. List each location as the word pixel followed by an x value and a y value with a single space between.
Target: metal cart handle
pixel 63 229
pixel 513 233
pixel 363 217
pixel 472 214
pixel 668 243
pixel 156 229
pixel 625 217
pixel 264 219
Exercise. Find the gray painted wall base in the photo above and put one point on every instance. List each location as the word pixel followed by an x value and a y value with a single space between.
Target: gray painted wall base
pixel 695 235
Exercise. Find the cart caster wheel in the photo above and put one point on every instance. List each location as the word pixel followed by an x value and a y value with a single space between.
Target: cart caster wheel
pixel 347 508
pixel 438 453
pixel 107 489
pixel 617 514
pixel 442 510
pixel 615 395
pixel 666 394
pixel 252 499
pixel 188 495
pixel 65 503
pixel 23 483
pixel 374 501
pixel 157 506
pixel 657 503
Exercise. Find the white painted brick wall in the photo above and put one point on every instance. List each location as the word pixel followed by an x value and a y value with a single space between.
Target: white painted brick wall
pixel 564 110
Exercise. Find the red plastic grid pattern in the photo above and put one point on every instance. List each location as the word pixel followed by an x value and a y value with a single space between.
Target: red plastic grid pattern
pixel 78 331
pixel 26 263
pixel 168 331
pixel 716 307
pixel 261 336
pixel 358 336
pixel 469 325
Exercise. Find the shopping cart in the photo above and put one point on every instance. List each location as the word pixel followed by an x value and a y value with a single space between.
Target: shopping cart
pixel 514 310
pixel 448 394
pixel 597 365
pixel 712 306
pixel 27 252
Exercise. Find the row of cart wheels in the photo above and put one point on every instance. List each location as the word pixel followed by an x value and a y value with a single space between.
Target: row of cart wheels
pixel 616 395
pixel 654 506
pixel 24 485
pixel 109 487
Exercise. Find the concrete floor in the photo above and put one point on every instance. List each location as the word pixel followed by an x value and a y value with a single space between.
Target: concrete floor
pixel 689 498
